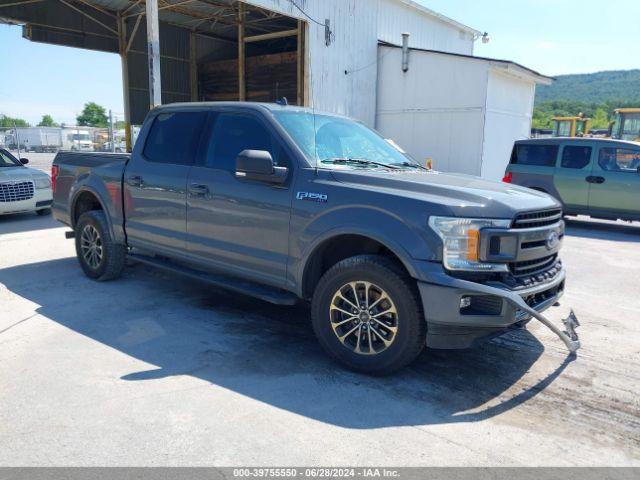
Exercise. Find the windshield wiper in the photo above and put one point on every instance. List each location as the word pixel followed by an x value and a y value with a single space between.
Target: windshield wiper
pixel 358 161
pixel 410 165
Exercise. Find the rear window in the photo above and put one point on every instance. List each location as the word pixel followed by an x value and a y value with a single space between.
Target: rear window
pixel 173 137
pixel 540 155
pixel 576 157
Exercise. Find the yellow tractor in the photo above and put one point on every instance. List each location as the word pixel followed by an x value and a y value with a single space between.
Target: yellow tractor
pixel 625 124
pixel 571 126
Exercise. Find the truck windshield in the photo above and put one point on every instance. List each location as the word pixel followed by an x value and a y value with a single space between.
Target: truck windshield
pixel 336 142
pixel 8 160
pixel 80 136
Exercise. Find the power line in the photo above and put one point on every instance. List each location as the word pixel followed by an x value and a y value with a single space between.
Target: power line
pixel 306 14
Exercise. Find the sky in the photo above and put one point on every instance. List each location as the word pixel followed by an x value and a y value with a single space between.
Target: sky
pixel 553 37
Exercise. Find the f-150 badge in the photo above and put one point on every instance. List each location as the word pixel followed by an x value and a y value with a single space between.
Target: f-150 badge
pixel 312 197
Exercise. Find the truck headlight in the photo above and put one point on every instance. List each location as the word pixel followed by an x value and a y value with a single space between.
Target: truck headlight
pixel 42 182
pixel 461 242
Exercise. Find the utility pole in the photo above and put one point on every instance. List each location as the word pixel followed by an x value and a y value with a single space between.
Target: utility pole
pixel 15 131
pixel 111 135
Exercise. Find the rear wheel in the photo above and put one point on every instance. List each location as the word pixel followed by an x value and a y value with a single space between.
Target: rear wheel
pixel 366 314
pixel 99 257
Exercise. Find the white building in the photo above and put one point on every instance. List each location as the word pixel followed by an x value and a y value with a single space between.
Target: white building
pixel 462 111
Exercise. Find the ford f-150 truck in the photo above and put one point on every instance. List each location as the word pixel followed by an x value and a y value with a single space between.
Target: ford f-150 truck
pixel 287 204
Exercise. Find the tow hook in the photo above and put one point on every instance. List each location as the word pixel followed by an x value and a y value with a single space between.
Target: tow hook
pixel 569 336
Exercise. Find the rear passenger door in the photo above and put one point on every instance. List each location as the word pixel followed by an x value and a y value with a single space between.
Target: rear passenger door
pixel 155 181
pixel 234 224
pixel 574 166
pixel 615 180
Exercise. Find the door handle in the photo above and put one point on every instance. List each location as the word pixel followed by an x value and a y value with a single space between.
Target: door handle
pixel 135 181
pixel 198 190
pixel 594 179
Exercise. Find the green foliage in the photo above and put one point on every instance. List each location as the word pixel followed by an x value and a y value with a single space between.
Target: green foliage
pixel 596 95
pixel 93 115
pixel 8 122
pixel 593 87
pixel 600 113
pixel 47 121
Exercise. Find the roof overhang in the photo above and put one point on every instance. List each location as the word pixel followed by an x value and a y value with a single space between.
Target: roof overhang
pixel 439 16
pixel 506 67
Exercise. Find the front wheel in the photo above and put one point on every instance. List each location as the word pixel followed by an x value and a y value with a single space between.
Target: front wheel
pixel 99 257
pixel 366 314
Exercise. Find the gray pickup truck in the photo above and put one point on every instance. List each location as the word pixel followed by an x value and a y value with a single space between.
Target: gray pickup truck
pixel 287 205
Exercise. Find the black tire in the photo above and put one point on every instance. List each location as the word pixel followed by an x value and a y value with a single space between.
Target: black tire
pixel 113 255
pixel 43 211
pixel 411 327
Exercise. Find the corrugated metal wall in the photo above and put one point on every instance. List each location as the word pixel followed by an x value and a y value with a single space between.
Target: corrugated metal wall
pixel 426 31
pixel 357 26
pixel 174 65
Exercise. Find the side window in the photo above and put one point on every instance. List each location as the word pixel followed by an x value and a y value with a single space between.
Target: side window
pixel 619 159
pixel 539 155
pixel 234 133
pixel 174 137
pixel 576 157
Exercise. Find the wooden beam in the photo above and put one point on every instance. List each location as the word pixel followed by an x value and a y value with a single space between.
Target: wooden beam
pixel 124 64
pixel 193 66
pixel 242 86
pixel 133 32
pixel 271 36
pixel 300 63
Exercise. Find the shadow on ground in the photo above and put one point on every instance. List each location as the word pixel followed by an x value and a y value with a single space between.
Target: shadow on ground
pixel 25 222
pixel 603 230
pixel 268 352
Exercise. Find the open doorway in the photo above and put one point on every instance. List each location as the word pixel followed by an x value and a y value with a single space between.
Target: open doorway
pixel 266 64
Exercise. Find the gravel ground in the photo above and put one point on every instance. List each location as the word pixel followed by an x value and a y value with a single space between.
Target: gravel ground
pixel 154 369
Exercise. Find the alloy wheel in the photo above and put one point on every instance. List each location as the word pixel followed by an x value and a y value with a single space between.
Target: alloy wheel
pixel 363 317
pixel 91 246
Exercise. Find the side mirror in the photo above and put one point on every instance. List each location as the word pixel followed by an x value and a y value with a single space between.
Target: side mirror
pixel 258 165
pixel 24 161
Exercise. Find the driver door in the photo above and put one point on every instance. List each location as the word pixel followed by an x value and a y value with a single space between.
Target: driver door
pixel 234 224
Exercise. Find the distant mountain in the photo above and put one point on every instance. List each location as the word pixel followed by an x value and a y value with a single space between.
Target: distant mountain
pixel 601 87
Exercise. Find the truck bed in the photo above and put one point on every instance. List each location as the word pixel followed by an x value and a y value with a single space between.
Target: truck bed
pixel 99 172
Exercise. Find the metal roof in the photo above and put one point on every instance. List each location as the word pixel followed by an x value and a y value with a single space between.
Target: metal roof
pixel 215 18
pixel 539 77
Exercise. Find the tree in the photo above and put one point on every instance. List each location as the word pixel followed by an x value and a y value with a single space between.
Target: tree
pixel 93 115
pixel 47 121
pixel 600 119
pixel 8 122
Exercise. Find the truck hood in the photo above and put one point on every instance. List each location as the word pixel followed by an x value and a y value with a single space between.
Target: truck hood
pixel 464 195
pixel 11 174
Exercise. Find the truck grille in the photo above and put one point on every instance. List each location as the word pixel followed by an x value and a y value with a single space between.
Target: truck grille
pixel 537 219
pixel 16 191
pixel 532 267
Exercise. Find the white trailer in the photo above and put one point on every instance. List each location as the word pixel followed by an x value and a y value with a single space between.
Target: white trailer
pixel 77 139
pixel 35 139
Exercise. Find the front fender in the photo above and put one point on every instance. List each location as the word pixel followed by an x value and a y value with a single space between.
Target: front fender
pixel 406 242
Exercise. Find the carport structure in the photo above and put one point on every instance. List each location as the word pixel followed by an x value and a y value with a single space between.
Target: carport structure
pixel 177 50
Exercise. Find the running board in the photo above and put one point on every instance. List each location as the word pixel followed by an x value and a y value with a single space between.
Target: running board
pixel 268 294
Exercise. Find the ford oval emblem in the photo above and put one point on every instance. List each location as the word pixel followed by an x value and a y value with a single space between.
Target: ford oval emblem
pixel 553 240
